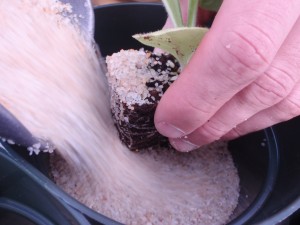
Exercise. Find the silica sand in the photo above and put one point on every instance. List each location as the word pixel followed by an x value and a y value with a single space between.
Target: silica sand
pixel 51 80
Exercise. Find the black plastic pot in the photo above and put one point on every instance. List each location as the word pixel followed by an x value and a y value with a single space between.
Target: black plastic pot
pixel 268 161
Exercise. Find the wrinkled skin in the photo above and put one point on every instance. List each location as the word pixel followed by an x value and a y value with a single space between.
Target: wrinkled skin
pixel 243 77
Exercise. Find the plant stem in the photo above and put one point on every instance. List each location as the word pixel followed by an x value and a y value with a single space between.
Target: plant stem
pixel 174 12
pixel 192 13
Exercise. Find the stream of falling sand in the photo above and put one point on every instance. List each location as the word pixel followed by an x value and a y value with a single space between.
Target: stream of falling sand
pixel 51 80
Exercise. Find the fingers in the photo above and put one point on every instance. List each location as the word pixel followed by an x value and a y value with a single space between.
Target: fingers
pixel 274 86
pixel 238 49
pixel 270 88
pixel 282 111
pixel 286 109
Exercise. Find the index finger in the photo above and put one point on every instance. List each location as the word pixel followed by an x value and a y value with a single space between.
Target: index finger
pixel 239 47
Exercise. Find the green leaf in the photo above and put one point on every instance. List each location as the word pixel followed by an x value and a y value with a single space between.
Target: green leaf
pixel 212 5
pixel 174 11
pixel 180 42
pixel 192 13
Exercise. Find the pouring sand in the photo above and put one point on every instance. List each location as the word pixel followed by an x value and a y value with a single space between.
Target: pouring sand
pixel 52 81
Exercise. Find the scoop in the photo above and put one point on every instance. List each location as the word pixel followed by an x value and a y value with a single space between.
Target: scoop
pixel 85 15
pixel 11 129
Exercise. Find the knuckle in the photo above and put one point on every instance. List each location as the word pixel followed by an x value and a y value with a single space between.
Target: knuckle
pixel 211 131
pixel 269 89
pixel 249 54
pixel 245 54
pixel 200 107
pixel 236 132
pixel 266 95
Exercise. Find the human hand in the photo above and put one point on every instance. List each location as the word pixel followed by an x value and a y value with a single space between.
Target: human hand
pixel 243 77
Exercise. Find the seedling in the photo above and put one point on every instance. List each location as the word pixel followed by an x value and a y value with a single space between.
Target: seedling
pixel 182 40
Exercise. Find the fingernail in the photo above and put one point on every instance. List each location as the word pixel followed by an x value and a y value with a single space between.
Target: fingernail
pixel 169 130
pixel 183 145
